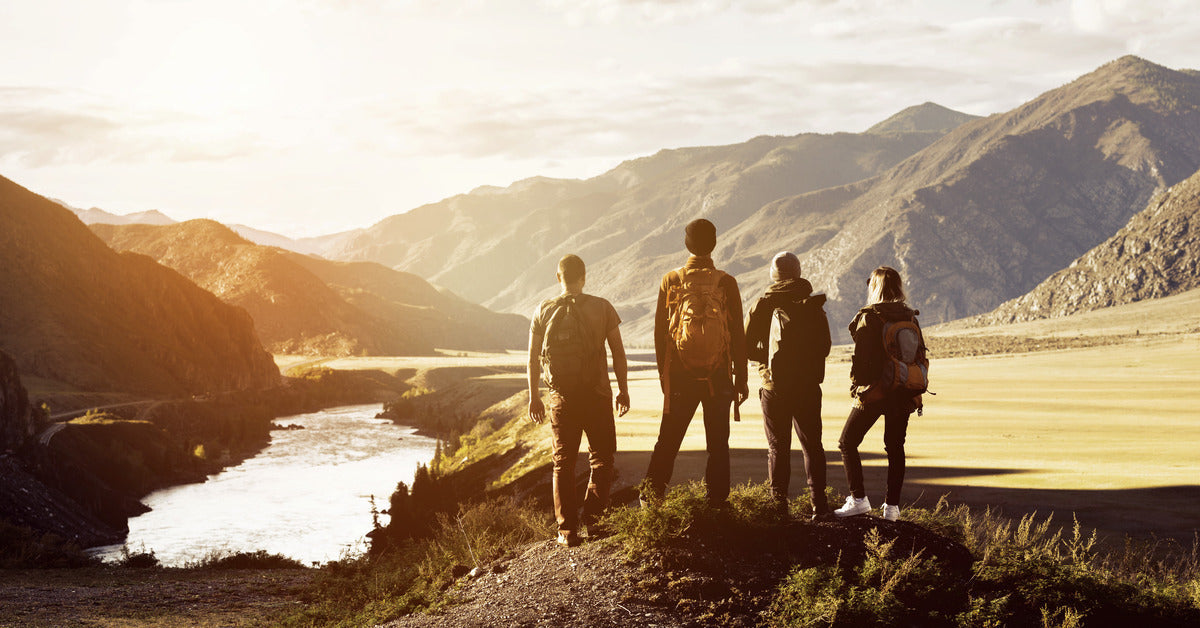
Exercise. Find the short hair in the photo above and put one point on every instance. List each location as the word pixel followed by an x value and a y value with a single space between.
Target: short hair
pixel 571 268
pixel 885 286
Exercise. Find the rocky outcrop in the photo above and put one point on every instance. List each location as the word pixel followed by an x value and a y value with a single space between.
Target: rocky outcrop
pixel 1156 255
pixel 19 420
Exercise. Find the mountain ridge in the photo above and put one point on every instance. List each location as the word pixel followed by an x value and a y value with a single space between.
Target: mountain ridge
pixel 304 304
pixel 79 313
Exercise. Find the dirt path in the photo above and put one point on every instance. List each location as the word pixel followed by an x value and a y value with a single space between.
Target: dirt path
pixel 147 597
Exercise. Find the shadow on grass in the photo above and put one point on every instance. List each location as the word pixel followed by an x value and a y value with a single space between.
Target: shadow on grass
pixel 1161 512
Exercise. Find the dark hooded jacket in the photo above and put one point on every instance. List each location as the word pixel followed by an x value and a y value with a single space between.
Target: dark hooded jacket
pixel 796 365
pixel 867 331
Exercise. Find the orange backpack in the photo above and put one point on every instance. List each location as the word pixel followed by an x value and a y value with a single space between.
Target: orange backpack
pixel 698 320
pixel 906 367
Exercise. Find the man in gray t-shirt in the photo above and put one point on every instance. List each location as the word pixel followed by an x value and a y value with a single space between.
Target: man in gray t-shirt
pixel 567 337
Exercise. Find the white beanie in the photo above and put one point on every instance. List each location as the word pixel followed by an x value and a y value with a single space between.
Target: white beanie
pixel 785 266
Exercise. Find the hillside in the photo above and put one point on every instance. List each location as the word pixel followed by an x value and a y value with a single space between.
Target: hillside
pixel 927 116
pixel 1157 254
pixel 303 304
pixel 972 217
pixel 77 312
pixel 500 246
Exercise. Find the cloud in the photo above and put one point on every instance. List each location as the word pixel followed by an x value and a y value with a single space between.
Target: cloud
pixel 619 120
pixel 42 127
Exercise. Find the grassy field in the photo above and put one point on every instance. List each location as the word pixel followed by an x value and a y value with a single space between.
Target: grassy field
pixel 1106 432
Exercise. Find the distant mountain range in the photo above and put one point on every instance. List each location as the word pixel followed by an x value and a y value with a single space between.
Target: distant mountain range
pixel 971 216
pixel 1156 255
pixel 77 312
pixel 304 304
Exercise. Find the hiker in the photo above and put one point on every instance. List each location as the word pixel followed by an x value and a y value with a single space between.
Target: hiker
pixel 700 348
pixel 787 336
pixel 888 373
pixel 566 344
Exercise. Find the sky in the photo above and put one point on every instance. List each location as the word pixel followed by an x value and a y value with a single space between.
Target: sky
pixel 309 117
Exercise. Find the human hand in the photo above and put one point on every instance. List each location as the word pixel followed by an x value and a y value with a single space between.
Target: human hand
pixel 743 393
pixel 622 403
pixel 537 410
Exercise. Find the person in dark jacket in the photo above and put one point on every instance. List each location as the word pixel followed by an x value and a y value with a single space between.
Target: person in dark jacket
pixel 685 389
pixel 787 335
pixel 886 303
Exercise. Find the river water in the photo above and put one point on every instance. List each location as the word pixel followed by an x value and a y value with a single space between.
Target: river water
pixel 306 496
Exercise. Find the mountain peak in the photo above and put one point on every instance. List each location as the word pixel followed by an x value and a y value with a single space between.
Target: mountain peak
pixel 927 116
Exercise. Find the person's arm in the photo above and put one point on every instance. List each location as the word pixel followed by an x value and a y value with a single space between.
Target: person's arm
pixel 620 369
pixel 537 410
pixel 757 326
pixel 662 340
pixel 868 346
pixel 737 338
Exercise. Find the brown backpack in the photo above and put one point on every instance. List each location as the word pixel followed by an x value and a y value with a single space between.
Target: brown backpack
pixel 697 320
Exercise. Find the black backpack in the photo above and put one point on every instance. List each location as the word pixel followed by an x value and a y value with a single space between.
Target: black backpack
pixel 792 352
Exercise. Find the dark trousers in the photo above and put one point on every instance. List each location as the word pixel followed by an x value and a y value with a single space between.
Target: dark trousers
pixel 895 429
pixel 570 418
pixel 686 396
pixel 783 410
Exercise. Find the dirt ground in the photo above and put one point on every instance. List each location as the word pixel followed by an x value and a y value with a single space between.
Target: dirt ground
pixel 110 597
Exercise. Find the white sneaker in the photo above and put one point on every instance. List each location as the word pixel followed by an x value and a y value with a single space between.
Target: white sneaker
pixel 891 513
pixel 853 507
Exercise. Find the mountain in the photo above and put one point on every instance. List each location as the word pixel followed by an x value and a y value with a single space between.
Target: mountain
pixel 306 246
pixel 77 312
pixel 303 304
pixel 97 216
pixel 1156 255
pixel 923 117
pixel 971 217
pixel 500 246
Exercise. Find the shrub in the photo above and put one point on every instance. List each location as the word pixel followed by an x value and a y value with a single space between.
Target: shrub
pixel 259 559
pixel 23 547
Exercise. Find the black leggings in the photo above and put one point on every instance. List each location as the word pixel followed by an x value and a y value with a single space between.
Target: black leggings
pixel 895 428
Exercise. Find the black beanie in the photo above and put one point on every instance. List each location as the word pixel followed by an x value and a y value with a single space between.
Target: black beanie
pixel 700 237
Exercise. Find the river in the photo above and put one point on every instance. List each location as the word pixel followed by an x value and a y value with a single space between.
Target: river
pixel 307 495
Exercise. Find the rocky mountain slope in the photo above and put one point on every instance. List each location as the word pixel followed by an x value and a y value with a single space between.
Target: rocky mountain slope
pixel 77 312
pixel 303 304
pixel 500 246
pixel 972 217
pixel 1156 255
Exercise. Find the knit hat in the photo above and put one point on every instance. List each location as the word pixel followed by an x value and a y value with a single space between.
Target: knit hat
pixel 700 237
pixel 785 266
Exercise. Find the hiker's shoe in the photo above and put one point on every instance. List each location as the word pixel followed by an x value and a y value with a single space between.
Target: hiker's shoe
pixel 854 506
pixel 569 539
pixel 890 512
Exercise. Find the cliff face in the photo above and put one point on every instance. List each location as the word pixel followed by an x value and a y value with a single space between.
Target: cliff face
pixel 18 419
pixel 78 313
pixel 1156 255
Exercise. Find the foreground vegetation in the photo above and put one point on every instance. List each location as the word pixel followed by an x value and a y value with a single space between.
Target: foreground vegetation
pixel 945 566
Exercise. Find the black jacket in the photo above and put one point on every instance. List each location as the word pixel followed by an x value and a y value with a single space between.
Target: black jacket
pixel 802 363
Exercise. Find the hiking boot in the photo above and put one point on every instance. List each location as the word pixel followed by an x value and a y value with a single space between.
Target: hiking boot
pixel 569 538
pixel 854 506
pixel 891 513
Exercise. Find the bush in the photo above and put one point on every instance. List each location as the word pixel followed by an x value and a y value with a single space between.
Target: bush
pixel 23 548
pixel 259 559
pixel 885 590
